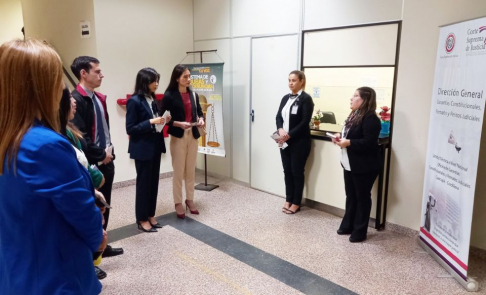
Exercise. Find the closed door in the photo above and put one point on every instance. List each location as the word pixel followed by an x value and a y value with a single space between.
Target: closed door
pixel 273 58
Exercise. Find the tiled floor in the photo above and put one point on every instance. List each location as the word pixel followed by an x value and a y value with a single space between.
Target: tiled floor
pixel 172 262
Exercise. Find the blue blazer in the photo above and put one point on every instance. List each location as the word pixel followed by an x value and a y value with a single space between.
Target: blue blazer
pixel 49 224
pixel 143 138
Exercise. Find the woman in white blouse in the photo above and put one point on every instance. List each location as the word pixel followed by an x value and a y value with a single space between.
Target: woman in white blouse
pixel 293 117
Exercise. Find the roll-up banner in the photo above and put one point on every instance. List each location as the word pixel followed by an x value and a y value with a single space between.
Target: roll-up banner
pixel 207 82
pixel 456 120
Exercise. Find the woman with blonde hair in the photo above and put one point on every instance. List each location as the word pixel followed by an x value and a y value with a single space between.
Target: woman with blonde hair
pixel 49 224
pixel 293 117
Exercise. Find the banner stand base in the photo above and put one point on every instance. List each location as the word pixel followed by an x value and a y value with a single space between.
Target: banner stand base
pixel 206 187
pixel 471 285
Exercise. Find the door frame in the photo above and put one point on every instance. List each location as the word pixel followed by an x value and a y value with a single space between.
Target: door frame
pixel 299 65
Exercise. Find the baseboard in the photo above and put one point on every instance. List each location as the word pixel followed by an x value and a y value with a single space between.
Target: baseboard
pixel 330 209
pixel 220 177
pixel 477 252
pixel 239 182
pixel 399 229
pixel 324 207
pixel 340 213
pixel 121 184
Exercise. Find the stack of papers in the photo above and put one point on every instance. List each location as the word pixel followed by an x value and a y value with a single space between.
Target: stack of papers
pixel 276 136
pixel 160 127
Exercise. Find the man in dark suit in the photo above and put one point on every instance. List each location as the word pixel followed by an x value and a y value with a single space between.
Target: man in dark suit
pixel 92 120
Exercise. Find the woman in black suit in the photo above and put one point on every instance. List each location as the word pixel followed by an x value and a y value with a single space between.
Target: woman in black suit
pixel 145 146
pixel 361 162
pixel 187 115
pixel 293 117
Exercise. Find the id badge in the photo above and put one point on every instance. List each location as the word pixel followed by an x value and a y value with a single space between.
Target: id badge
pixel 294 110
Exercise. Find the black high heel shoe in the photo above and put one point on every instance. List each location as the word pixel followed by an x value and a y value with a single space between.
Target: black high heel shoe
pixel 151 230
pixel 157 225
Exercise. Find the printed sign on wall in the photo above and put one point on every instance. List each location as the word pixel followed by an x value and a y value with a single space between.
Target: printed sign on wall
pixel 85 29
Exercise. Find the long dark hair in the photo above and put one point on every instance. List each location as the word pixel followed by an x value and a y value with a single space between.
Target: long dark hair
pixel 64 111
pixel 176 74
pixel 368 95
pixel 145 77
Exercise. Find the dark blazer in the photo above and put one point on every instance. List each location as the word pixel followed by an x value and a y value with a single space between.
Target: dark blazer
pixel 49 224
pixel 172 102
pixel 143 137
pixel 298 123
pixel 363 153
pixel 84 119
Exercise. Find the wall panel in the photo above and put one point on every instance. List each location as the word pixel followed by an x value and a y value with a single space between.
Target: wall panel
pixel 211 19
pixel 331 13
pixel 259 17
pixel 241 109
pixel 131 36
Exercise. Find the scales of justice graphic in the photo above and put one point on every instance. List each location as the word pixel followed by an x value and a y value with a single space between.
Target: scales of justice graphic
pixel 453 141
pixel 212 136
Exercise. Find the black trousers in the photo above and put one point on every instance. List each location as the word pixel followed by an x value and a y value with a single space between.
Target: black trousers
pixel 108 171
pixel 358 202
pixel 293 161
pixel 147 187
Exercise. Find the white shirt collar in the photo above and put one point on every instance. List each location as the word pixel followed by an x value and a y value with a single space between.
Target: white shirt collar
pixel 298 93
pixel 89 93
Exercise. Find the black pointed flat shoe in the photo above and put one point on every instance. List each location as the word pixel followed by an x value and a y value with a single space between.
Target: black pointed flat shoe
pixel 157 225
pixel 150 230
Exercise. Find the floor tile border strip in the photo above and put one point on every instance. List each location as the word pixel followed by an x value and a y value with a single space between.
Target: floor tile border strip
pixel 122 184
pixel 273 266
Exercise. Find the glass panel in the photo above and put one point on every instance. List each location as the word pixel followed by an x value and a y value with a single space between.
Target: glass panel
pixel 332 88
pixel 370 45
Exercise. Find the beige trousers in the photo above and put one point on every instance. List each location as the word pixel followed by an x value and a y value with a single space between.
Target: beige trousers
pixel 184 154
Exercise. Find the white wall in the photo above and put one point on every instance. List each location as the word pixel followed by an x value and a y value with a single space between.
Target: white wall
pixel 126 36
pixel 211 19
pixel 132 35
pixel 229 29
pixel 330 13
pixel 11 21
pixel 263 17
pixel 58 23
pixel 241 109
pixel 420 32
pixel 415 79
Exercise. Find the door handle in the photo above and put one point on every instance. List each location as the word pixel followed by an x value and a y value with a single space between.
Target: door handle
pixel 252 115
